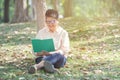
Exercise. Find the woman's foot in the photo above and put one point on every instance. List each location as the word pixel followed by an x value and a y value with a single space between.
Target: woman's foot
pixel 49 67
pixel 32 70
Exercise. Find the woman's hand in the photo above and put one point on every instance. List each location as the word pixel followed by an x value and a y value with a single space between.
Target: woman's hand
pixel 43 53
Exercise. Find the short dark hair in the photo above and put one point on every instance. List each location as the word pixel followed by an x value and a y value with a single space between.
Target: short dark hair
pixel 52 13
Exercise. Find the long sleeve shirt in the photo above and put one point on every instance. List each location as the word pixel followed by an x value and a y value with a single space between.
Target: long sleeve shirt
pixel 60 38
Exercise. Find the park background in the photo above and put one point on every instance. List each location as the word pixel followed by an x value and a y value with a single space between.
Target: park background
pixel 93 27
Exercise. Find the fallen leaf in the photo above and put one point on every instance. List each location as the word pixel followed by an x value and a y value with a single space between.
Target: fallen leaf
pixel 98 71
pixel 39 79
pixel 22 78
pixel 83 48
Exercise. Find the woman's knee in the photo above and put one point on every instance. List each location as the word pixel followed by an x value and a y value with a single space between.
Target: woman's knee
pixel 38 59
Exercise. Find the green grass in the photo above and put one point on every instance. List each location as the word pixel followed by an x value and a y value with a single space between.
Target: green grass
pixel 95 50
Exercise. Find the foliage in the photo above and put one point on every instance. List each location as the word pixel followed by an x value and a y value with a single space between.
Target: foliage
pixel 94 52
pixel 11 10
pixel 1 10
pixel 86 8
pixel 96 8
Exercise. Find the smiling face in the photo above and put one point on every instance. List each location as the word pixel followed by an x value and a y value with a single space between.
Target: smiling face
pixel 51 19
pixel 52 23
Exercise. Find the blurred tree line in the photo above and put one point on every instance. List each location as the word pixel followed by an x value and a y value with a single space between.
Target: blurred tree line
pixel 28 10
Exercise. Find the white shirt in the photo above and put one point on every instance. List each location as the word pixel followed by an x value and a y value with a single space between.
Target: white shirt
pixel 60 39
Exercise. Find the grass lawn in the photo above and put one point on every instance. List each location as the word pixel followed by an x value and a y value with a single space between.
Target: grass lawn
pixel 95 50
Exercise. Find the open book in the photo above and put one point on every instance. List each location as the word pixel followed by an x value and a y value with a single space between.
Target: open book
pixel 43 44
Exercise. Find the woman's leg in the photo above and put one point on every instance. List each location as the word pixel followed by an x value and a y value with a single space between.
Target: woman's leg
pixel 60 63
pixel 38 59
pixel 39 65
pixel 35 67
pixel 56 59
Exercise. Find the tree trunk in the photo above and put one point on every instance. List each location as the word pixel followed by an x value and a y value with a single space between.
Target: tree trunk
pixel 20 14
pixel 33 15
pixel 55 4
pixel 68 8
pixel 115 6
pixel 26 8
pixel 6 11
pixel 40 9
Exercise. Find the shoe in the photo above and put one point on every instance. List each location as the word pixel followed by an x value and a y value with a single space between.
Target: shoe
pixel 32 70
pixel 49 67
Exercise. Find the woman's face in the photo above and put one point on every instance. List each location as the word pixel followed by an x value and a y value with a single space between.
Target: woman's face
pixel 51 23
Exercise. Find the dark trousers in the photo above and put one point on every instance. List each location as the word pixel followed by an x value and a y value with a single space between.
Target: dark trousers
pixel 56 59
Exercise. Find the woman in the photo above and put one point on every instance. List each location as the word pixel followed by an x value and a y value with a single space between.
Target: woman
pixel 56 59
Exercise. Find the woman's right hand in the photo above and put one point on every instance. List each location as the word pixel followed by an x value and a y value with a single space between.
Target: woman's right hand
pixel 43 53
pixel 39 54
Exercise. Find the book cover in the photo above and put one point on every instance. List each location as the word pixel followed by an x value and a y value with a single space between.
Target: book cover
pixel 43 44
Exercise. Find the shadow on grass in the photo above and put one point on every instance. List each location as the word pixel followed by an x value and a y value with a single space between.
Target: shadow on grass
pixel 14 69
pixel 14 34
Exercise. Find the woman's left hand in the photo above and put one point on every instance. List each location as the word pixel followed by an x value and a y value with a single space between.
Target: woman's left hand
pixel 45 53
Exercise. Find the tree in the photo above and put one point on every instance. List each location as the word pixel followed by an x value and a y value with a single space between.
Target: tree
pixel 115 6
pixel 20 14
pixel 110 8
pixel 40 9
pixel 33 8
pixel 6 10
pixel 68 8
pixel 55 4
pixel 26 5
